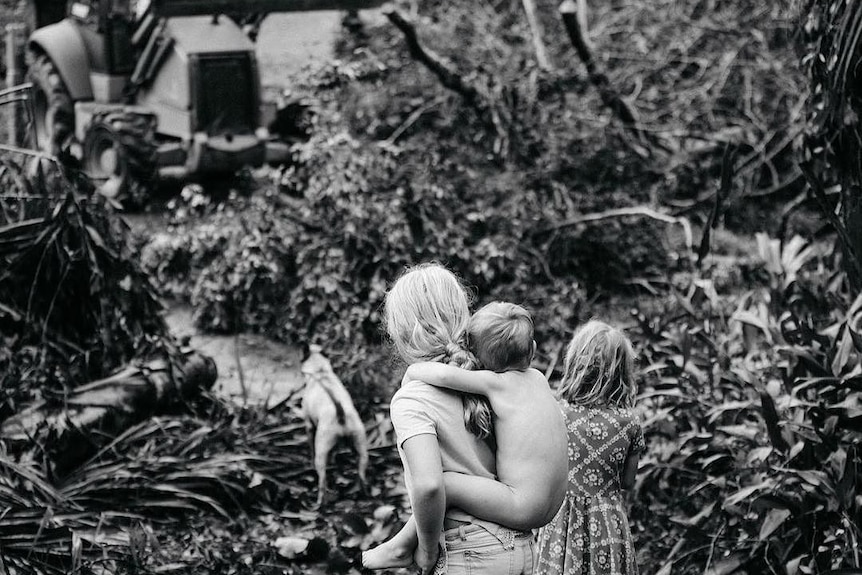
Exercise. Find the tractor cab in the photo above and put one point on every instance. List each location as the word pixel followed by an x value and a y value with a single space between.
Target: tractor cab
pixel 106 29
pixel 133 89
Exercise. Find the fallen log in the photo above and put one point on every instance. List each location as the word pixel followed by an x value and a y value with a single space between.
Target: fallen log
pixel 70 429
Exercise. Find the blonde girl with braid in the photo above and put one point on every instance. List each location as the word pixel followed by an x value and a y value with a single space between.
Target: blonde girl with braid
pixel 590 533
pixel 441 444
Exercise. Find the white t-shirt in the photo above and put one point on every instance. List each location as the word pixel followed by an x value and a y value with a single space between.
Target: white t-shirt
pixel 418 408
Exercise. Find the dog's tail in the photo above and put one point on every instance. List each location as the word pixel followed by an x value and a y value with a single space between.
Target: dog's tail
pixel 339 410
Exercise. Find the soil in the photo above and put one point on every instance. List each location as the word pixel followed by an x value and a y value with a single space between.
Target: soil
pixel 251 368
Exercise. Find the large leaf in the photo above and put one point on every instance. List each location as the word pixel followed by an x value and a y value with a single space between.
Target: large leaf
pixel 843 354
pixel 728 565
pixel 746 493
pixel 773 520
pixel 754 320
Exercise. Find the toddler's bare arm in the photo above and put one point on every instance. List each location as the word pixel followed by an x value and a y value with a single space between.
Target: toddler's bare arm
pixel 438 374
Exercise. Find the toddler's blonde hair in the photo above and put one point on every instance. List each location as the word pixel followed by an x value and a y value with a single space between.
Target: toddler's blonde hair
pixel 599 367
pixel 501 336
pixel 427 312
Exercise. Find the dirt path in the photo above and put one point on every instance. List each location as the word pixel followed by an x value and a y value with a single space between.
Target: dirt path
pixel 251 368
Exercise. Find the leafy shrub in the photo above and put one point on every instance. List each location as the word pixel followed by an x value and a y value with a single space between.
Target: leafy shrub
pixel 753 416
pixel 610 254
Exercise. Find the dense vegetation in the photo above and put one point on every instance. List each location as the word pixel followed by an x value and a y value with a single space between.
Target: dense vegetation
pixel 693 226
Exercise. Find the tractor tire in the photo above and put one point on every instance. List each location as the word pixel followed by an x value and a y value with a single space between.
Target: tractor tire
pixel 119 155
pixel 53 108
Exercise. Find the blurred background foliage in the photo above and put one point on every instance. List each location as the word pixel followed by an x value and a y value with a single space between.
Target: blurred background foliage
pixel 706 227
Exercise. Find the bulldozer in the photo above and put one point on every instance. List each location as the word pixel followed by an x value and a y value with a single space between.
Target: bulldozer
pixel 134 90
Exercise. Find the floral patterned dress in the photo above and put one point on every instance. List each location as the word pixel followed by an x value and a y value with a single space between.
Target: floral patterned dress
pixel 590 534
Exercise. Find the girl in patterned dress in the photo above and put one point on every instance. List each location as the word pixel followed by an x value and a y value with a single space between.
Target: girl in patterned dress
pixel 590 534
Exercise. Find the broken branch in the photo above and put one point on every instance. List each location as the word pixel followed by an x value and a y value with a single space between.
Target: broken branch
pixel 434 62
pixel 642 211
pixel 574 21
pixel 100 409
pixel 536 32
pixel 487 108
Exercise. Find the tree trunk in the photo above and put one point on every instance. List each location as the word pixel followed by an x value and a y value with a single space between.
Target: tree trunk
pixel 71 429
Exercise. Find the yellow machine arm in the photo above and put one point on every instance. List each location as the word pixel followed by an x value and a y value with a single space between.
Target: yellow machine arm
pixel 172 8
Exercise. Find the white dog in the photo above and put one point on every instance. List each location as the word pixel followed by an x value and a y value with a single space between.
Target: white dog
pixel 329 414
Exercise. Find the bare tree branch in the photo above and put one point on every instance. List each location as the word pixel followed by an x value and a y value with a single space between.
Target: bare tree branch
pixel 480 100
pixel 536 31
pixel 447 75
pixel 574 19
pixel 642 211
pixel 412 119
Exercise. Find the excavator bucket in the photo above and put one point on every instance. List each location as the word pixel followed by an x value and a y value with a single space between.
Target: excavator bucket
pixel 171 8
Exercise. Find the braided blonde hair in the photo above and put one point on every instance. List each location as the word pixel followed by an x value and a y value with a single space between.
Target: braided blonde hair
pixel 427 312
pixel 599 367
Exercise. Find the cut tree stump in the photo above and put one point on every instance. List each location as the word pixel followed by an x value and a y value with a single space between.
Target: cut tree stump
pixel 72 428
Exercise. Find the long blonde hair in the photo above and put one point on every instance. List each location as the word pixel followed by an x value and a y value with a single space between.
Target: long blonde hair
pixel 427 312
pixel 599 367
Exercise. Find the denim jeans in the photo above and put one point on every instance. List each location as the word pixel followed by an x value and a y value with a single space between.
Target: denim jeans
pixel 486 548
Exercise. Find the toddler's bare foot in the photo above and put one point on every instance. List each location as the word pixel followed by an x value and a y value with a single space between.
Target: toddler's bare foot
pixel 387 556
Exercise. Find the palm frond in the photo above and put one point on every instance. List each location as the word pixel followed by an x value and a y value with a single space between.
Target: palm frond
pixel 13 474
